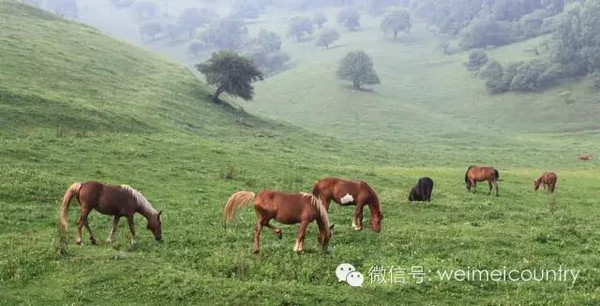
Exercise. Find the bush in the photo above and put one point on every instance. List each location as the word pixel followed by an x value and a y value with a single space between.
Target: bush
pixel 493 74
pixel 487 31
pixel 477 58
pixel 528 75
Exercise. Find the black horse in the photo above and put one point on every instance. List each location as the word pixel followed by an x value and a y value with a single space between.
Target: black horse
pixel 422 191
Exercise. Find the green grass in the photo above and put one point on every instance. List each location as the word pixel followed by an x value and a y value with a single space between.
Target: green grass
pixel 76 105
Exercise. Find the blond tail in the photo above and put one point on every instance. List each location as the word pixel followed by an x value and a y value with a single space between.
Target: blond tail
pixel 240 198
pixel 64 207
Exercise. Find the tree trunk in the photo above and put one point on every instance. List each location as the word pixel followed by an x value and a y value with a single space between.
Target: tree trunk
pixel 218 93
pixel 356 85
pixel 395 34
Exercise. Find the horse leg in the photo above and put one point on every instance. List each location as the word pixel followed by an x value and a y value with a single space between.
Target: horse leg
pixel 257 230
pixel 275 230
pixel 131 229
pixel 357 222
pixel 474 184
pixel 89 229
pixel 326 202
pixel 113 229
pixel 491 185
pixel 80 223
pixel 299 246
pixel 496 185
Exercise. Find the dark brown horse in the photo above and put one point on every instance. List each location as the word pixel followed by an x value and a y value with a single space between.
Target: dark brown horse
pixel 548 180
pixel 479 174
pixel 286 208
pixel 345 192
pixel 118 201
pixel 422 191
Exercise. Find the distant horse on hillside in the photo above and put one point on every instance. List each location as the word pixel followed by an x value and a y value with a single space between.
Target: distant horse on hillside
pixel 548 180
pixel 586 157
pixel 346 192
pixel 118 201
pixel 422 191
pixel 286 208
pixel 479 174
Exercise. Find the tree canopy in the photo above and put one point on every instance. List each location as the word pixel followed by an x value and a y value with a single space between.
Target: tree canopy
pixel 349 18
pixel 326 37
pixel 230 73
pixel 396 21
pixel 300 27
pixel 357 67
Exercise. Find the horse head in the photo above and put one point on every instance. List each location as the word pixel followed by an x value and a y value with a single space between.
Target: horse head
pixel 325 235
pixel 154 225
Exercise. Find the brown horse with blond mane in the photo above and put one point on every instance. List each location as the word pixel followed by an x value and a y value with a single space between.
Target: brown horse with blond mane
pixel 118 201
pixel 548 180
pixel 480 174
pixel 286 208
pixel 346 192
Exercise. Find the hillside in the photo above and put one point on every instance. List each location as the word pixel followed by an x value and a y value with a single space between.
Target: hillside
pixel 77 105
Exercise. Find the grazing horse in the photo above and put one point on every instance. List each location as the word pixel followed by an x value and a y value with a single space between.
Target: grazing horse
pixel 548 179
pixel 479 174
pixel 586 157
pixel 286 208
pixel 118 201
pixel 422 191
pixel 345 192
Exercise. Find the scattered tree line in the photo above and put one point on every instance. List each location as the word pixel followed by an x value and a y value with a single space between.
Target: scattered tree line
pixel 574 52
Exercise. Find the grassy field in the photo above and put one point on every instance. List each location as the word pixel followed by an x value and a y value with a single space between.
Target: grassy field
pixel 76 105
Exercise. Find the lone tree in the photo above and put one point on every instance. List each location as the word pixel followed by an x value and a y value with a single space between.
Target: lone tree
pixel 357 67
pixel 231 73
pixel 396 21
pixel 326 37
pixel 300 27
pixel 349 18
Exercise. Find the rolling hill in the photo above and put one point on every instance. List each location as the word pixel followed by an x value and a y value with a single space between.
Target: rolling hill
pixel 77 105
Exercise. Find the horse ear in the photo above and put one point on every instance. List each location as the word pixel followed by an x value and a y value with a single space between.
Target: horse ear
pixel 331 227
pixel 159 213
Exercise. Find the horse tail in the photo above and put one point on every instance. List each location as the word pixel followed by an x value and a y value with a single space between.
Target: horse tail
pixel 240 198
pixel 496 175
pixel 64 206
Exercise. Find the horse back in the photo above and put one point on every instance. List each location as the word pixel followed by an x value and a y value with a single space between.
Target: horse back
pixel 106 199
pixel 286 208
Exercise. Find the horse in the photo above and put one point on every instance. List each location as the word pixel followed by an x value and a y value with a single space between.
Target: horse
pixel 347 192
pixel 586 157
pixel 113 200
pixel 548 179
pixel 422 191
pixel 286 208
pixel 479 174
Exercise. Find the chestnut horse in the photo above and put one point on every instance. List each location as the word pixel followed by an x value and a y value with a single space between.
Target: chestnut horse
pixel 286 208
pixel 548 179
pixel 479 174
pixel 118 201
pixel 346 192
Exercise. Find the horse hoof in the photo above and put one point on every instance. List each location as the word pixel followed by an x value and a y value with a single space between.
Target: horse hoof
pixel 93 241
pixel 108 241
pixel 78 242
pixel 255 251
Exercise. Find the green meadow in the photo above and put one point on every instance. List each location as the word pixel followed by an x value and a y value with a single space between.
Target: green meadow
pixel 76 105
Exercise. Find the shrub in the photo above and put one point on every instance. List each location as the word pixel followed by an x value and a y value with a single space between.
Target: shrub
pixel 477 58
pixel 493 74
pixel 527 77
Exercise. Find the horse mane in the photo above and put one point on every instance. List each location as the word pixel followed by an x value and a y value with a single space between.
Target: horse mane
pixel 318 204
pixel 144 205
